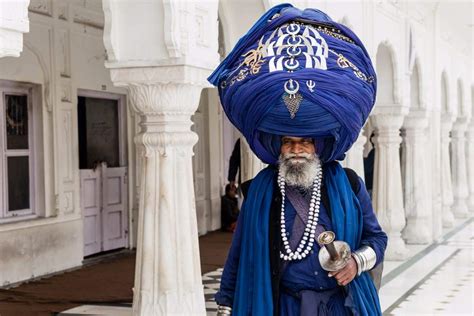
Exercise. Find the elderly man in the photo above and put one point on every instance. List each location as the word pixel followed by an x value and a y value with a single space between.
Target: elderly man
pixel 299 87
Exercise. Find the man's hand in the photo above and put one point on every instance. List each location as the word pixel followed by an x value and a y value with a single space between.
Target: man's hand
pixel 346 274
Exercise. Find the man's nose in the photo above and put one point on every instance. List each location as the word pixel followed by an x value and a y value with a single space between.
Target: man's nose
pixel 296 148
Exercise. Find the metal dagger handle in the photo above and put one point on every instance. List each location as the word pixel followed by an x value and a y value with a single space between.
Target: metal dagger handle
pixel 327 240
pixel 332 251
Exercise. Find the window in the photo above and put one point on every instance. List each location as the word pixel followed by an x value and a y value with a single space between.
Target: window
pixel 17 159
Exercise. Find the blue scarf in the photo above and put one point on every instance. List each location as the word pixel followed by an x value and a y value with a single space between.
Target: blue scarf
pixel 253 293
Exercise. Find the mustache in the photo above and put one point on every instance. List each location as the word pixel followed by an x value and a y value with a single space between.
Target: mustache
pixel 289 156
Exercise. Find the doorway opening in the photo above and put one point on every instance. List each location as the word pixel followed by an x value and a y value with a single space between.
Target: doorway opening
pixel 103 171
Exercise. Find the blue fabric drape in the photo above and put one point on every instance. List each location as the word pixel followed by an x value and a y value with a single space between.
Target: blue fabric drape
pixel 347 224
pixel 253 293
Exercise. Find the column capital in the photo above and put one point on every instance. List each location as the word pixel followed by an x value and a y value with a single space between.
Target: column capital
pixel 417 119
pixel 162 90
pixel 461 121
pixel 165 98
pixel 161 74
pixel 447 117
pixel 459 127
pixel 386 120
pixel 391 109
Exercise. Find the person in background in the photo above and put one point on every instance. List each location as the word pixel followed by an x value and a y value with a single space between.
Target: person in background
pixel 369 167
pixel 229 208
pixel 234 165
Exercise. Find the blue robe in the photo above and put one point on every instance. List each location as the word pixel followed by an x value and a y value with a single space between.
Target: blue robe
pixel 307 274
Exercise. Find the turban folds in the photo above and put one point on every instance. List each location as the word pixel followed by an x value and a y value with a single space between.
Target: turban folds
pixel 297 73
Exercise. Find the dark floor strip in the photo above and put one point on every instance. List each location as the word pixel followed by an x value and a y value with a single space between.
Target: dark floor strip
pixel 417 285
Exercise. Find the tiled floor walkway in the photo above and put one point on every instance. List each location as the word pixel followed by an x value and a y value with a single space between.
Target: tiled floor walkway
pixel 446 287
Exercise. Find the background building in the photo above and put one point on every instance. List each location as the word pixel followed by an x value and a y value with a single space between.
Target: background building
pixel 90 87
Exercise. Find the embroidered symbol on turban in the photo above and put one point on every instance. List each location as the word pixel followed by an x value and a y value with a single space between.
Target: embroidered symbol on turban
pixel 343 62
pixel 284 50
pixel 310 84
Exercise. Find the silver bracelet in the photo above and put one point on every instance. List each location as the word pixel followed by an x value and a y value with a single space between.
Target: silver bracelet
pixel 224 310
pixel 365 258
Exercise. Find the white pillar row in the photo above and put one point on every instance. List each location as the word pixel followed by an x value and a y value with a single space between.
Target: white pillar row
pixel 459 168
pixel 168 272
pixel 418 214
pixel 470 163
pixel 446 179
pixel 387 190
pixel 250 164
pixel 13 24
pixel 355 156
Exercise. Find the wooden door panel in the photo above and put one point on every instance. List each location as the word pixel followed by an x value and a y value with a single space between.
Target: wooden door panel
pixel 115 228
pixel 91 209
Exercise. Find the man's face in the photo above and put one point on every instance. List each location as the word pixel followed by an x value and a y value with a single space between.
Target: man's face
pixel 297 149
pixel 298 161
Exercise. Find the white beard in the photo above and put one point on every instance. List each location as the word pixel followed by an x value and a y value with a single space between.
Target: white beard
pixel 301 171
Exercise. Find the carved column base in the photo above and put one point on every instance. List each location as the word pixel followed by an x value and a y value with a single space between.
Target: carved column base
pixel 448 217
pixel 418 229
pixel 460 209
pixel 396 248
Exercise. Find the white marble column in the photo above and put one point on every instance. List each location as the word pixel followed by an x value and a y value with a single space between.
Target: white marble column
pixel 13 24
pixel 387 194
pixel 433 172
pixel 250 163
pixel 168 272
pixel 355 156
pixel 418 228
pixel 446 179
pixel 470 164
pixel 459 168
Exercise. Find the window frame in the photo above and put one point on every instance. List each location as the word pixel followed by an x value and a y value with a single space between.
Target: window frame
pixel 16 88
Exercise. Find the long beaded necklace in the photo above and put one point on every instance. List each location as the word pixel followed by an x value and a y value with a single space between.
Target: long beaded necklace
pixel 307 241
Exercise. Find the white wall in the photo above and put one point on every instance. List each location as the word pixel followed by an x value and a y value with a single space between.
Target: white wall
pixel 63 52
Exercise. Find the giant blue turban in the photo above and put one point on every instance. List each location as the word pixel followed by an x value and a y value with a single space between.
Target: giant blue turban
pixel 297 73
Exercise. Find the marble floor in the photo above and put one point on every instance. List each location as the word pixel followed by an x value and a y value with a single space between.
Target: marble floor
pixel 438 281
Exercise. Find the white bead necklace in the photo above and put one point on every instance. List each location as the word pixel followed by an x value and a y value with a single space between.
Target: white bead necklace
pixel 307 241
